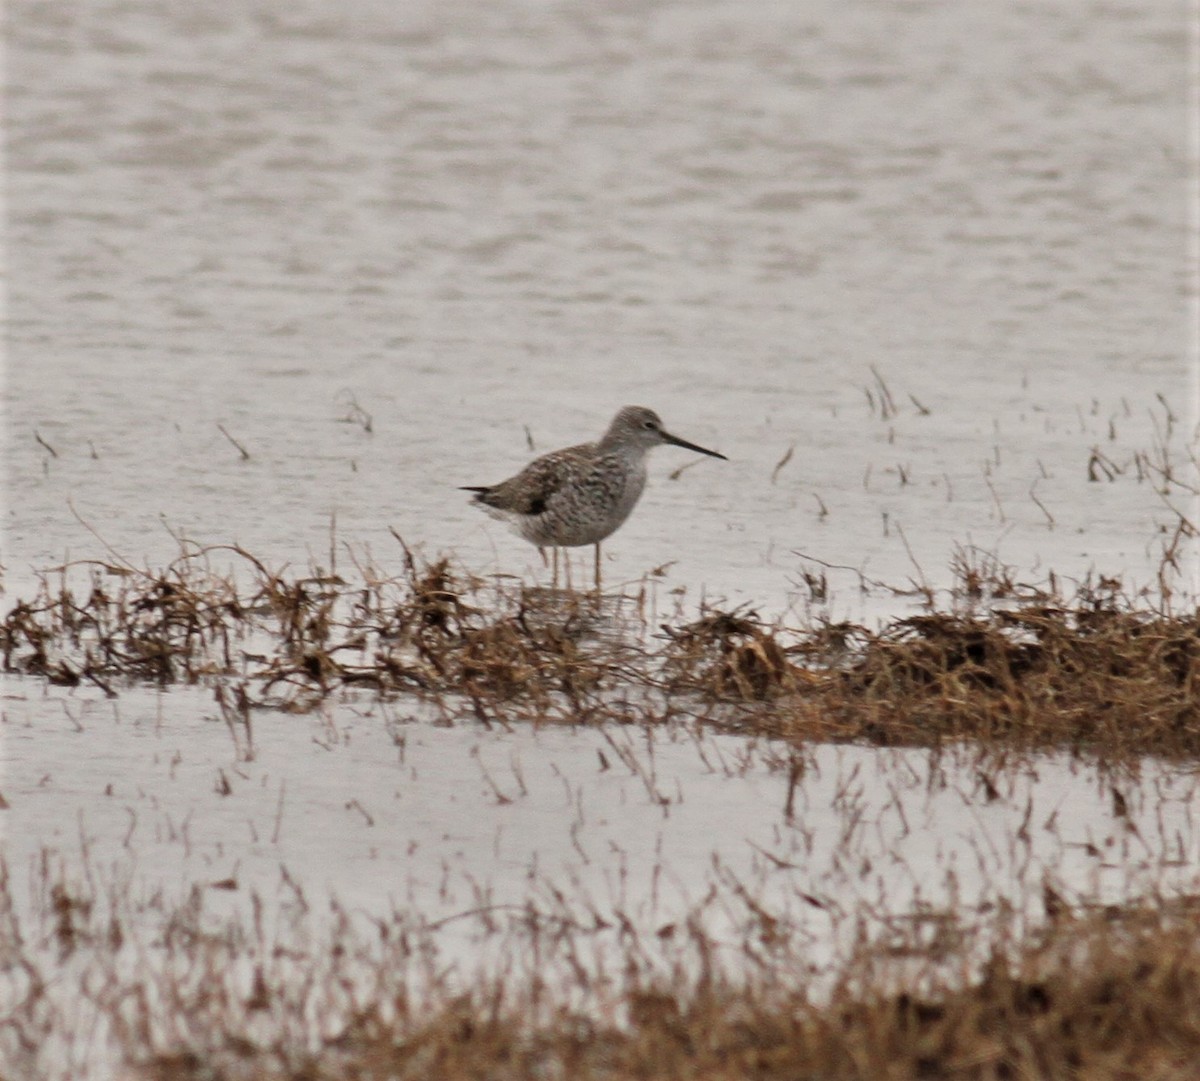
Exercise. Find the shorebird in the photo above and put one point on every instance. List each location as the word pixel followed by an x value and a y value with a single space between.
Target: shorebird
pixel 581 495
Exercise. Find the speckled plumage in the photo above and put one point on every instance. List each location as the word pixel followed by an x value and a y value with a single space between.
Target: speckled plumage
pixel 582 494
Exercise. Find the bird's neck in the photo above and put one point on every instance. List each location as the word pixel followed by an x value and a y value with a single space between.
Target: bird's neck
pixel 613 444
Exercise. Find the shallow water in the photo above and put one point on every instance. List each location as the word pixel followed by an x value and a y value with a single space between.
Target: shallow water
pixel 473 219
pixel 386 811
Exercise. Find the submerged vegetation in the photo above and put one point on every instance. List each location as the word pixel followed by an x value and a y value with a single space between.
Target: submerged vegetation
pixel 1031 667
pixel 1107 995
pixel 184 990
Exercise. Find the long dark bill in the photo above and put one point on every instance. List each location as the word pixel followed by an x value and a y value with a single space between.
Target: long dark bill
pixel 669 438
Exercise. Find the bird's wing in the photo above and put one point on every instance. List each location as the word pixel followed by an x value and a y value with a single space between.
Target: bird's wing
pixel 531 489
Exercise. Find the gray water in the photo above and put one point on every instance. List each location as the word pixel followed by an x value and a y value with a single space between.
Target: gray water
pixel 471 839
pixel 473 219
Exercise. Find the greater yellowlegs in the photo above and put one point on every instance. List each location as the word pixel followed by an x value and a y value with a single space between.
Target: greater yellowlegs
pixel 580 495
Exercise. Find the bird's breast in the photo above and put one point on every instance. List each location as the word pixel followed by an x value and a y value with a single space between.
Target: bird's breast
pixel 590 506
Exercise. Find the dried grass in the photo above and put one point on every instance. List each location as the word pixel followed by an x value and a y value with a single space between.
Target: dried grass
pixel 1102 995
pixel 1096 671
pixel 1114 994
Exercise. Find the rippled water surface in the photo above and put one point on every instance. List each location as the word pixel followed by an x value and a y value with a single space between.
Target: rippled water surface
pixel 486 221
pixel 383 810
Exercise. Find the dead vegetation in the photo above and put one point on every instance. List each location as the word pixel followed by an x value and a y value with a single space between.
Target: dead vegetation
pixel 184 992
pixel 1029 667
pixel 1104 995
pixel 1098 677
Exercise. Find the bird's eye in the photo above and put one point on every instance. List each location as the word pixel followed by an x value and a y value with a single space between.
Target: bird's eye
pixel 649 424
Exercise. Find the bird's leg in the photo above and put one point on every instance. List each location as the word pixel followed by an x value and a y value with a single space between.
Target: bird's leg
pixel 567 569
pixel 597 570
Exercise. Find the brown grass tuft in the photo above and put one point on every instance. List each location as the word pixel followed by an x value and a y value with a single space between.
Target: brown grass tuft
pixel 729 658
pixel 1123 681
pixel 1093 672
